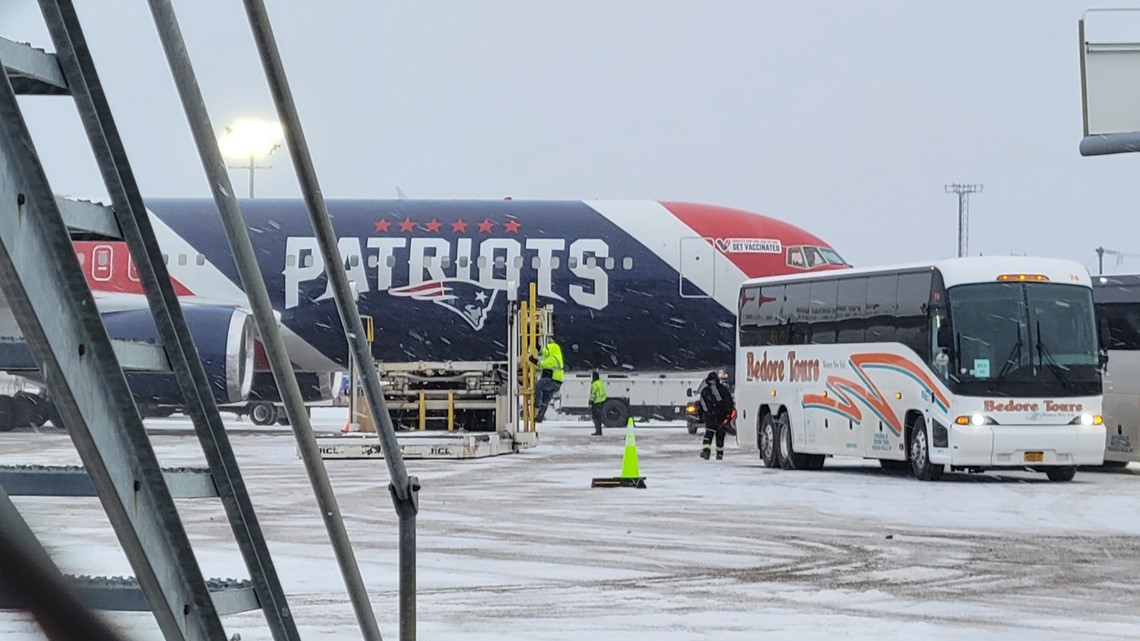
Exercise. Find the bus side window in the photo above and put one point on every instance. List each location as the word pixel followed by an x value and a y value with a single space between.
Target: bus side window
pixel 882 300
pixel 821 311
pixel 795 313
pixel 911 325
pixel 850 310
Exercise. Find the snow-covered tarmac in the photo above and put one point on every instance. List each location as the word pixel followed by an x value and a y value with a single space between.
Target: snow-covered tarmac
pixel 520 547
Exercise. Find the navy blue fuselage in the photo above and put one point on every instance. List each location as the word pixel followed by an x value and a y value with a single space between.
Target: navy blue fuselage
pixel 434 276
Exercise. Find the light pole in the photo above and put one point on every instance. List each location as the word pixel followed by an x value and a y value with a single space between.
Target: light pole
pixel 963 192
pixel 252 139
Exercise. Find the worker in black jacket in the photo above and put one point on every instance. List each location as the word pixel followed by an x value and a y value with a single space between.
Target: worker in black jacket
pixel 717 406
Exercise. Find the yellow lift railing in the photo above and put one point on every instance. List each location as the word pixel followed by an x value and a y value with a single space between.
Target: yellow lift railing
pixel 535 324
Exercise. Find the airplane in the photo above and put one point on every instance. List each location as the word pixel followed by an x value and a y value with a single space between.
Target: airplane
pixel 637 286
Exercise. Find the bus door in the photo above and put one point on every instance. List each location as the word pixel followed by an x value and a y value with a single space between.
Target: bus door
pixel 698 268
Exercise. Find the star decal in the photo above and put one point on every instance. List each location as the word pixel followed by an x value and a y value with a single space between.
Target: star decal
pixel 459 226
pixel 433 225
pixel 480 297
pixel 407 225
pixel 485 226
pixel 382 225
pixel 512 226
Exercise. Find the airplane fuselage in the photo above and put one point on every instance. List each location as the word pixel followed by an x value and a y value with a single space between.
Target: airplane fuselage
pixel 634 285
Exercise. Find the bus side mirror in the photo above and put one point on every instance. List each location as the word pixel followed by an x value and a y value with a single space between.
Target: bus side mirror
pixel 944 336
pixel 1102 358
pixel 689 392
pixel 1102 333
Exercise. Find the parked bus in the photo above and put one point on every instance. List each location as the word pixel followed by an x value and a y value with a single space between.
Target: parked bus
pixel 968 363
pixel 1117 301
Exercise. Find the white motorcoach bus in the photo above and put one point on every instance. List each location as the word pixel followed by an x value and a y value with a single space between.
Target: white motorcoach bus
pixel 968 363
pixel 1117 301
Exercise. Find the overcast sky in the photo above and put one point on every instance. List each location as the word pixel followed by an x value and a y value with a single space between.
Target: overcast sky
pixel 846 118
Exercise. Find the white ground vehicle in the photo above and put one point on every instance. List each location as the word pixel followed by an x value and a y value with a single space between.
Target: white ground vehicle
pixel 644 395
pixel 1118 310
pixel 971 363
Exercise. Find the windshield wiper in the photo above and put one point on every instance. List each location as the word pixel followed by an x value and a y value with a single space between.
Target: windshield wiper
pixel 1059 370
pixel 1014 357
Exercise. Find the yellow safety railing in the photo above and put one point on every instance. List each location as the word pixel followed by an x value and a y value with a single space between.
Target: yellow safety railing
pixel 358 411
pixel 531 324
pixel 450 411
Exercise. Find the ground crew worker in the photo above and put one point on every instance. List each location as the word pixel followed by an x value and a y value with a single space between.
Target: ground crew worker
pixel 717 405
pixel 551 363
pixel 597 397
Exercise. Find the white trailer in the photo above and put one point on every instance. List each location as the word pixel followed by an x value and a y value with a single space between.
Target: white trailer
pixel 644 395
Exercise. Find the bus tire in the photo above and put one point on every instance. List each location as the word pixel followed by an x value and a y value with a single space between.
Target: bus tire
pixel 615 413
pixel 786 453
pixel 767 437
pixel 918 453
pixel 263 413
pixel 1061 474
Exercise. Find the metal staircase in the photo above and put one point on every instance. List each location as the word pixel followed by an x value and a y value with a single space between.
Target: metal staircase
pixel 83 368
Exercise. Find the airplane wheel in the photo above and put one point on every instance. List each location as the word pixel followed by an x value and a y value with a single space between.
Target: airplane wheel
pixel 41 409
pixel 6 423
pixel 615 413
pixel 263 413
pixel 23 410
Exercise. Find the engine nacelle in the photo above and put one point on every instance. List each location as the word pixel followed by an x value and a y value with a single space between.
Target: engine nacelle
pixel 315 386
pixel 224 338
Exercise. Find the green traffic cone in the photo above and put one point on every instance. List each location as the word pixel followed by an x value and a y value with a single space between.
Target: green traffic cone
pixel 629 458
pixel 630 475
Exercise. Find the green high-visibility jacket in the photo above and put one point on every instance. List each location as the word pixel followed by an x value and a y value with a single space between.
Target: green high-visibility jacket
pixel 597 392
pixel 551 362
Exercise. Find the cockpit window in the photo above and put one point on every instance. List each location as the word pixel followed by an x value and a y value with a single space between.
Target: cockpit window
pixel 832 257
pixel 809 257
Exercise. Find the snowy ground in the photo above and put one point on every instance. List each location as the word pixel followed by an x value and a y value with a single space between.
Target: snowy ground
pixel 520 547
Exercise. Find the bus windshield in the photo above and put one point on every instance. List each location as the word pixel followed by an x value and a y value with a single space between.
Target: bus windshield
pixel 1022 339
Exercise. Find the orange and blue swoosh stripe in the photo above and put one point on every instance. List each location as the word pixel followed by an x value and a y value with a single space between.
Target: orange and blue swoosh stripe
pixel 845 391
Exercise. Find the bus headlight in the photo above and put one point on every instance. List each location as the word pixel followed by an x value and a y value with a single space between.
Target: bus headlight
pixel 1088 420
pixel 976 420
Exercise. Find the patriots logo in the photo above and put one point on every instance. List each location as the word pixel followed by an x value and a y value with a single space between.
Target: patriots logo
pixel 467 298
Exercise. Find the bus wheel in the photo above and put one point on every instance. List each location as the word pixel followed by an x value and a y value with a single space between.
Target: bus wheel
pixel 784 451
pixel 1061 474
pixel 786 454
pixel 919 453
pixel 766 439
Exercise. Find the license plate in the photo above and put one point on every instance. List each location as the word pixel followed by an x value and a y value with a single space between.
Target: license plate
pixel 1034 457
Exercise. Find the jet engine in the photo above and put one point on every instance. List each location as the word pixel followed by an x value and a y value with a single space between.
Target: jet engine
pixel 225 343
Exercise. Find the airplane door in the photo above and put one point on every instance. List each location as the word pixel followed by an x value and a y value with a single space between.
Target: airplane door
pixel 698 272
pixel 101 263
